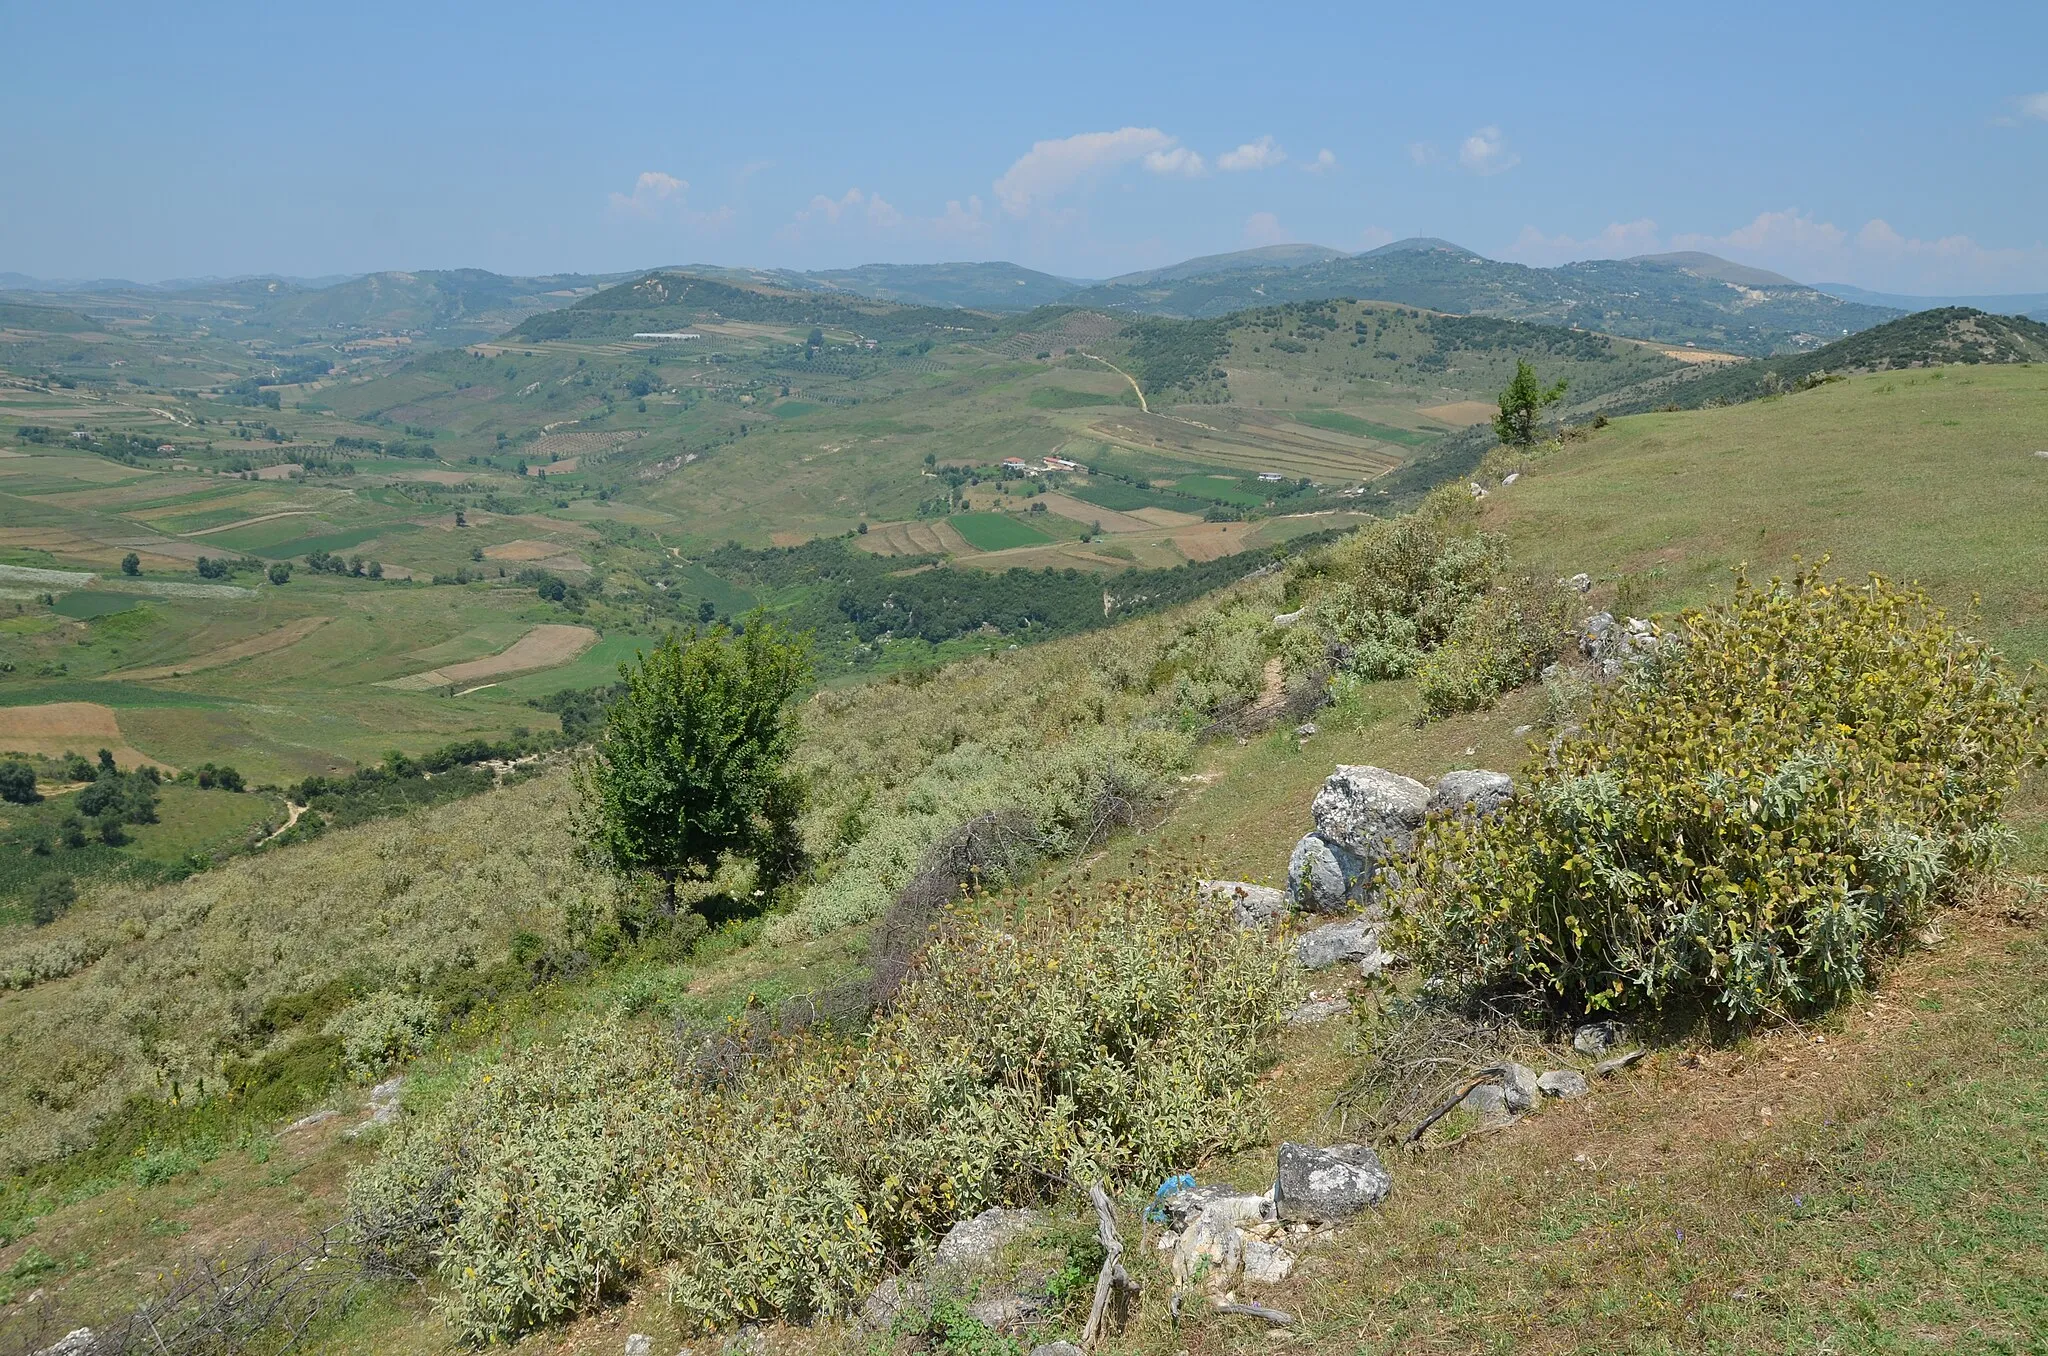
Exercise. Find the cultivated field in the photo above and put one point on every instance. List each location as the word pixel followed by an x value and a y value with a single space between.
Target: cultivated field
pixel 544 647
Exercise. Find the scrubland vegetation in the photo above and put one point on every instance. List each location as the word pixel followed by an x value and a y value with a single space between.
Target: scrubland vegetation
pixel 706 1080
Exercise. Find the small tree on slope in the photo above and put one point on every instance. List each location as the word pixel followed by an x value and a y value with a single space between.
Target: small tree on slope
pixel 1521 403
pixel 693 763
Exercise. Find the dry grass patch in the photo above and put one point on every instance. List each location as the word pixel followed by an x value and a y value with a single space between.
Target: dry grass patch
pixel 56 728
pixel 1460 413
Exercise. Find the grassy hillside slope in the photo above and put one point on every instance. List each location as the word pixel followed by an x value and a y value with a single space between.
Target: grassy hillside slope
pixel 1925 475
pixel 1932 338
pixel 1874 1182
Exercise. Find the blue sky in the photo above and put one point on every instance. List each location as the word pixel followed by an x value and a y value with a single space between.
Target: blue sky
pixel 1899 147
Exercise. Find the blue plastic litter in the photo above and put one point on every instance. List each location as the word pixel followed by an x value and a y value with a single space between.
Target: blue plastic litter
pixel 1171 1186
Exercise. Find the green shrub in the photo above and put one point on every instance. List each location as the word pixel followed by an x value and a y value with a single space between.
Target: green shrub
pixel 1791 781
pixel 1117 1037
pixel 384 1029
pixel 1499 642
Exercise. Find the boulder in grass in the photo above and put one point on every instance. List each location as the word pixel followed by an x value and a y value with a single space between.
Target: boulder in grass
pixel 1370 812
pixel 972 1244
pixel 1511 1093
pixel 1323 877
pixel 1476 793
pixel 1336 943
pixel 1563 1084
pixel 1330 1183
pixel 1252 906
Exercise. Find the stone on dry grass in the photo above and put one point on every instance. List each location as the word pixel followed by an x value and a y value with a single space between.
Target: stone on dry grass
pixel 1595 1039
pixel 1330 1183
pixel 1564 1084
pixel 1318 1010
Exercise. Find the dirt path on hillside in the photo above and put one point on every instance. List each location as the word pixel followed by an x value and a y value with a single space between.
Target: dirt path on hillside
pixel 249 522
pixel 1136 389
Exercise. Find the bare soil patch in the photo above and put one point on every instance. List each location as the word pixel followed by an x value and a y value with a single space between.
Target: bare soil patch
pixel 1212 541
pixel 1164 517
pixel 1111 519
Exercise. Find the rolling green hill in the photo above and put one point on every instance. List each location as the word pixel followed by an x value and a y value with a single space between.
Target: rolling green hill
pixel 1954 334
pixel 660 302
pixel 1660 299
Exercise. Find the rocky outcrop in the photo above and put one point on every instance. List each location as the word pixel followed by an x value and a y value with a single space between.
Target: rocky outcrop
pixel 965 1267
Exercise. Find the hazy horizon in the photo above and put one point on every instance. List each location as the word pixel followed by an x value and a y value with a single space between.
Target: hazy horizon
pixel 1889 148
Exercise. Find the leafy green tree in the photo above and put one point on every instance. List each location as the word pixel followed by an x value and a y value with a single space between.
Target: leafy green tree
pixel 280 573
pixel 131 564
pixel 72 829
pixel 18 782
pixel 693 765
pixel 52 898
pixel 1522 403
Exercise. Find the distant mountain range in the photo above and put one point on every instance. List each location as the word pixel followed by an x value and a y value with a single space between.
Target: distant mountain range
pixel 2033 305
pixel 1686 298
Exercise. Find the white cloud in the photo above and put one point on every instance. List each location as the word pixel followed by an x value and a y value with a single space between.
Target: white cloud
pixel 1253 155
pixel 1790 231
pixel 1617 241
pixel 1050 168
pixel 957 222
pixel 663 197
pixel 2035 106
pixel 1263 228
pixel 1485 152
pixel 1326 159
pixel 853 207
pixel 1180 160
pixel 1800 245
pixel 1422 152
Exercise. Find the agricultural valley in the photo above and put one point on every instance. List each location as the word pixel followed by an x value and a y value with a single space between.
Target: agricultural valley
pixel 329 1025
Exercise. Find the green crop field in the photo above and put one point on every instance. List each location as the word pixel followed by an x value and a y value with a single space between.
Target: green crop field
pixel 1340 422
pixel 90 603
pixel 996 531
pixel 1223 489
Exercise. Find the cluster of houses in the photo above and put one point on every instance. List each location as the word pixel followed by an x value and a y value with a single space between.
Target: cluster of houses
pixel 1023 467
